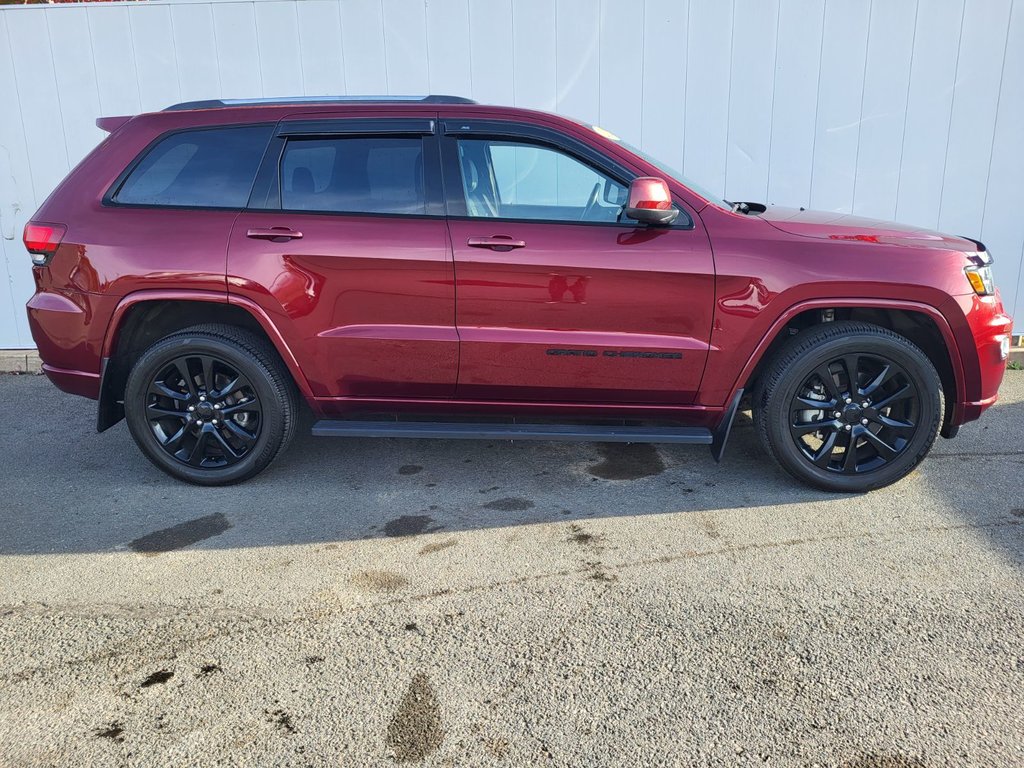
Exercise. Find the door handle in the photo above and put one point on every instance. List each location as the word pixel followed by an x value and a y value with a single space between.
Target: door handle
pixel 274 233
pixel 496 243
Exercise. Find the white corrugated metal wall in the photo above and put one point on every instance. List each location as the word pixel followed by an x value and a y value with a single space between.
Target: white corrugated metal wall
pixel 910 110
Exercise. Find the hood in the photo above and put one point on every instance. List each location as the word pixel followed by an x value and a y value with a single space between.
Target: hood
pixel 828 225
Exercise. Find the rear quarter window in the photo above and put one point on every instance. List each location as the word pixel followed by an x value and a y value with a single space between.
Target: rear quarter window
pixel 206 168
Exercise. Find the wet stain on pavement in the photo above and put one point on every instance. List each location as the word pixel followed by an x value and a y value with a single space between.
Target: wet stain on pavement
pixel 181 535
pixel 281 719
pixel 1019 512
pixel 114 732
pixel 579 535
pixel 157 678
pixel 208 669
pixel 437 546
pixel 313 660
pixel 415 730
pixel 379 581
pixel 410 525
pixel 627 461
pixel 410 469
pixel 509 504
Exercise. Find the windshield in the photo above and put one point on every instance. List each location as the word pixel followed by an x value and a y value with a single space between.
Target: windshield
pixel 666 169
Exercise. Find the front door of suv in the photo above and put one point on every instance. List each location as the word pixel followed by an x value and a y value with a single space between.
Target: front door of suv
pixel 344 245
pixel 559 299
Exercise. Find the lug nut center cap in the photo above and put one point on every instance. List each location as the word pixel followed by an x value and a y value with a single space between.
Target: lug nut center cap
pixel 204 411
pixel 852 414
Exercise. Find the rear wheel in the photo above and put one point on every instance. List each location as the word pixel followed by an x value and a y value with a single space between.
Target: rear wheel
pixel 848 406
pixel 210 405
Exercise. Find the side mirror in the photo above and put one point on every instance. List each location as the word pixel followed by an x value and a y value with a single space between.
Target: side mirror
pixel 650 201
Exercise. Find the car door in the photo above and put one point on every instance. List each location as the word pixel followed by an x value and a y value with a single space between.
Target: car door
pixel 344 244
pixel 559 298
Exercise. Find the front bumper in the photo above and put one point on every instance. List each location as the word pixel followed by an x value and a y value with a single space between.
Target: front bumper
pixel 981 343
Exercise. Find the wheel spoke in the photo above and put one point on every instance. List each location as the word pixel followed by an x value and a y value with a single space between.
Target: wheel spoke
pixel 157 412
pixel 226 446
pixel 884 375
pixel 901 428
pixel 246 437
pixel 239 382
pixel 160 389
pixel 823 373
pixel 182 365
pixel 824 454
pixel 199 449
pixel 813 426
pixel 851 363
pixel 173 443
pixel 207 363
pixel 885 450
pixel 850 457
pixel 250 406
pixel 900 394
pixel 810 404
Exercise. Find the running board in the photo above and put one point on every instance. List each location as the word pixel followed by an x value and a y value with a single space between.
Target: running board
pixel 559 432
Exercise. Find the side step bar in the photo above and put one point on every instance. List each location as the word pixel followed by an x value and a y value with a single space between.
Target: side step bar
pixel 499 431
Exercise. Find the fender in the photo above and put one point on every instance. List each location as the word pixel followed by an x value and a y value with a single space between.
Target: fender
pixel 110 412
pixel 940 320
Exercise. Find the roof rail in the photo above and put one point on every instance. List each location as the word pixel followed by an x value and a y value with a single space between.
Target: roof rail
pixel 288 100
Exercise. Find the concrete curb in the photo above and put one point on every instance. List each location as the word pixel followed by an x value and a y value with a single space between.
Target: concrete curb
pixel 20 361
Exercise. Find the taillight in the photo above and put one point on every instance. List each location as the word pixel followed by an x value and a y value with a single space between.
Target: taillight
pixel 42 240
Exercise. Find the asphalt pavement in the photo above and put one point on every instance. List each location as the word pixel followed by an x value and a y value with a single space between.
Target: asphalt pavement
pixel 373 602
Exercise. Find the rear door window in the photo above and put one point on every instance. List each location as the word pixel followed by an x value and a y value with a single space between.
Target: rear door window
pixel 206 168
pixel 375 174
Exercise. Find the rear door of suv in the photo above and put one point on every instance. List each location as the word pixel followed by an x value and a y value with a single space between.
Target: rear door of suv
pixel 344 244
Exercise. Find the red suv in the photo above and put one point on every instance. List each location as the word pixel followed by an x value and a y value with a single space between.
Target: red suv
pixel 430 267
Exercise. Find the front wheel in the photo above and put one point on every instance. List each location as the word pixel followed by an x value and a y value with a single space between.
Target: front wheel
pixel 848 406
pixel 210 405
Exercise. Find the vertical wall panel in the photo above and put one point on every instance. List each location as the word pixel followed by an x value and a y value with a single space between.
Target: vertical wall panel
pixel 884 110
pixel 405 45
pixel 362 44
pixel 750 99
pixel 155 59
pixel 909 110
pixel 664 81
pixel 491 55
pixel 533 50
pixel 1003 227
pixel 76 82
pixel 277 29
pixel 196 45
pixel 708 74
pixel 930 99
pixel 450 47
pixel 840 91
pixel 798 58
pixel 622 67
pixel 975 96
pixel 238 51
pixel 578 60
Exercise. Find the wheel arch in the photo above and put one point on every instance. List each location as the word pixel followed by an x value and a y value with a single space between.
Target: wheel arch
pixel 144 317
pixel 922 324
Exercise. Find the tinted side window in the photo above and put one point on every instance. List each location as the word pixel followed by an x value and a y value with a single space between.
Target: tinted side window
pixel 211 167
pixel 513 180
pixel 353 175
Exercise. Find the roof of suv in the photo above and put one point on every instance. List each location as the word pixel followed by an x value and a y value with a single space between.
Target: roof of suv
pixel 309 100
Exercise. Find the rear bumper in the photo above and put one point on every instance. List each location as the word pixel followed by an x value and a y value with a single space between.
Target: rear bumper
pixel 74 382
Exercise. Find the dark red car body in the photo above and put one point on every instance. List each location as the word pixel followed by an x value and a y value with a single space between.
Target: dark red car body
pixel 383 313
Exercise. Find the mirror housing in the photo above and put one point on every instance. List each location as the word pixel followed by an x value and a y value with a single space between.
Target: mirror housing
pixel 650 201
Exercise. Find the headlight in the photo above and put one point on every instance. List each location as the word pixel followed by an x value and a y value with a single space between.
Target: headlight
pixel 979 273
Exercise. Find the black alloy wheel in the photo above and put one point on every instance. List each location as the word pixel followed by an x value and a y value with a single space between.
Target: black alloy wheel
pixel 203 411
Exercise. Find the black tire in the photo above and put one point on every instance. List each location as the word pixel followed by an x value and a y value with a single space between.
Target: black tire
pixel 807 424
pixel 173 421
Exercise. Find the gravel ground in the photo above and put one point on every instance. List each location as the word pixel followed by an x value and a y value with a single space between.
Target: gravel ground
pixel 370 602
